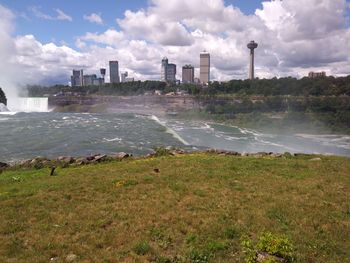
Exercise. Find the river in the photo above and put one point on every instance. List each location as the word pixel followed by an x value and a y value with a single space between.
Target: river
pixel 49 134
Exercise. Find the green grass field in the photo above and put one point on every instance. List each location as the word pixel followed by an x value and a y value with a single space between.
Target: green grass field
pixel 197 208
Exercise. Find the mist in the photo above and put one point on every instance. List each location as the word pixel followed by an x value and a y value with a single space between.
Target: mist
pixel 11 73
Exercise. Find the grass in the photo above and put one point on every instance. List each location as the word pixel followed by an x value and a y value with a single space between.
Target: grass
pixel 198 208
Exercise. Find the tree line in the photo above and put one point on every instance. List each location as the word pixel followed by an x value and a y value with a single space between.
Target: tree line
pixel 323 86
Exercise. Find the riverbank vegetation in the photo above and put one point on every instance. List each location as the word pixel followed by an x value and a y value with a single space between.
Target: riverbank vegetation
pixel 314 103
pixel 184 208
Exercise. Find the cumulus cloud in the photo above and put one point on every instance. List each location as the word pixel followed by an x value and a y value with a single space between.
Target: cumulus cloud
pixel 94 18
pixel 294 37
pixel 59 16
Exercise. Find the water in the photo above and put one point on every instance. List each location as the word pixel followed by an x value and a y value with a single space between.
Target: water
pixel 26 135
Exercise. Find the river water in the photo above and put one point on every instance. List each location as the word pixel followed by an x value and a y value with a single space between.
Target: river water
pixel 26 135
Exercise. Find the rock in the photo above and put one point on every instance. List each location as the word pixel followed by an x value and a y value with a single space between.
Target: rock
pixel 66 159
pixel 99 158
pixel 315 159
pixel 3 165
pixel 265 257
pixel 276 155
pixel 71 257
pixel 81 161
pixel 121 155
pixel 156 170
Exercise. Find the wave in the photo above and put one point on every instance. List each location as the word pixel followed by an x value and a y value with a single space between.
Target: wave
pixel 169 130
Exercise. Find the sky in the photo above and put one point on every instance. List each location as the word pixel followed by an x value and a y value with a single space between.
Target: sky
pixel 42 41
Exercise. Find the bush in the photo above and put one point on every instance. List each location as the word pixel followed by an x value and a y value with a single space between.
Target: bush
pixel 142 248
pixel 161 151
pixel 272 245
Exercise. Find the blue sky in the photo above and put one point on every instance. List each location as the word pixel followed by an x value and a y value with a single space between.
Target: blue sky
pixel 52 37
pixel 59 31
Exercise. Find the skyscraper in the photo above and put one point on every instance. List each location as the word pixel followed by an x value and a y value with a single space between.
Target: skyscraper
pixel 204 74
pixel 187 74
pixel 168 71
pixel 163 72
pixel 114 71
pixel 77 78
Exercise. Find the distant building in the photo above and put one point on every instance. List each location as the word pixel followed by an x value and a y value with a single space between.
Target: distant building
pixel 77 78
pixel 187 74
pixel 129 79
pixel 124 76
pixel 316 74
pixel 168 71
pixel 204 74
pixel 114 71
pixel 89 79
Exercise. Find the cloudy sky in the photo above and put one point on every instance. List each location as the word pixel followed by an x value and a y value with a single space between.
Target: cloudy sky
pixel 42 41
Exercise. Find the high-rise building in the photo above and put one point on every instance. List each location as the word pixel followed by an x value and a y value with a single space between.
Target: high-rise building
pixel 171 73
pixel 89 79
pixel 252 45
pixel 77 78
pixel 168 71
pixel 114 71
pixel 187 74
pixel 163 73
pixel 204 74
pixel 317 74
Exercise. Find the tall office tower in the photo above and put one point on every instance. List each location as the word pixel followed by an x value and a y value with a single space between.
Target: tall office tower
pixel 163 72
pixel 171 73
pixel 77 78
pixel 124 76
pixel 204 74
pixel 114 71
pixel 168 71
pixel 252 45
pixel 187 74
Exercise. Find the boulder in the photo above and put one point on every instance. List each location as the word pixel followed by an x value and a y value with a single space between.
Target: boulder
pixel 121 155
pixel 3 165
pixel 66 159
pixel 99 158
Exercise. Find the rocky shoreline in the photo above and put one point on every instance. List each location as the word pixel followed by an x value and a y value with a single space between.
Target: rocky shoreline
pixel 67 161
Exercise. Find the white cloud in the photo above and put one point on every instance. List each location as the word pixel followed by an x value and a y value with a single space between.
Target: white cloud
pixel 294 37
pixel 109 37
pixel 63 16
pixel 36 10
pixel 94 18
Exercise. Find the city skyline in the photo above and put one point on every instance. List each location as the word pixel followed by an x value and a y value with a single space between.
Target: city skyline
pixel 140 33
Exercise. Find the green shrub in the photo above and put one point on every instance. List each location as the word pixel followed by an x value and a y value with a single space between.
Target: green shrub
pixel 161 151
pixel 276 246
pixel 198 257
pixel 142 248
pixel 273 245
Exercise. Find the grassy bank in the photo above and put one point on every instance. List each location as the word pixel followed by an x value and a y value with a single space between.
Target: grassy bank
pixel 188 208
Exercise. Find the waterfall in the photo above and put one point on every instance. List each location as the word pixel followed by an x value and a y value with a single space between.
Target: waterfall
pixel 29 105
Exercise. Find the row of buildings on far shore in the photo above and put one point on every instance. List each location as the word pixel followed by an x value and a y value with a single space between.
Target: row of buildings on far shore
pixel 78 78
pixel 168 71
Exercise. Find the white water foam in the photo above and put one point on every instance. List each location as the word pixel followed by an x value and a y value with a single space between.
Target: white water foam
pixel 169 130
pixel 29 104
